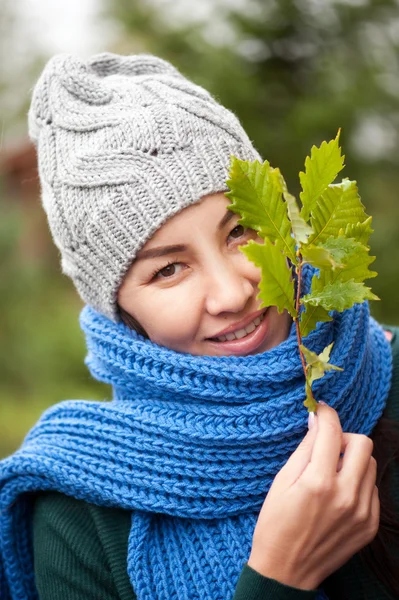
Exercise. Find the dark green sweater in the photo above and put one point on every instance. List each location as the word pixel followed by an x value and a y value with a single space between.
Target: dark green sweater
pixel 80 550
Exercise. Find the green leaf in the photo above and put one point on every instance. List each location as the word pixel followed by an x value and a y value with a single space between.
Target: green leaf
pixel 342 250
pixel 310 317
pixel 310 401
pixel 357 265
pixel 339 295
pixel 348 256
pixel 325 355
pixel 351 265
pixel 277 286
pixel 300 228
pixel 256 194
pixel 319 256
pixel 338 206
pixel 317 364
pixel 359 231
pixel 354 264
pixel 312 359
pixel 321 169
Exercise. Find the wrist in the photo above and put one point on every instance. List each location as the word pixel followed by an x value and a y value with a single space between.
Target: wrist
pixel 284 573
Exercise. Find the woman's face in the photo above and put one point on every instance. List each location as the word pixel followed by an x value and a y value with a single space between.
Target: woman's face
pixel 193 291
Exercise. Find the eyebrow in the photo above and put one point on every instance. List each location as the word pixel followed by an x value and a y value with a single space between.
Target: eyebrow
pixel 227 217
pixel 160 251
pixel 165 250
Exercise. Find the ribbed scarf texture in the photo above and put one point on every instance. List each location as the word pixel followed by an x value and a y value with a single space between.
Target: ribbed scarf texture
pixel 189 444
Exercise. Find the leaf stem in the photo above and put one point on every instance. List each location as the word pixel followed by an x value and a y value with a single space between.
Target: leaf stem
pixel 309 393
pixel 298 270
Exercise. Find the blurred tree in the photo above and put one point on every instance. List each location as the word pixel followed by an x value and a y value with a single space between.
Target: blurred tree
pixel 41 346
pixel 20 63
pixel 295 71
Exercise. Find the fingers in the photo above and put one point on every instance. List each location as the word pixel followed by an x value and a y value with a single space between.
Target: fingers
pixel 368 486
pixel 299 460
pixel 357 477
pixel 368 494
pixel 320 454
pixel 368 510
pixel 328 443
pixel 357 451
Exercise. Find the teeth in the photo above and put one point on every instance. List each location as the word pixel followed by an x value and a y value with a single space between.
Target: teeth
pixel 240 333
pixel 251 327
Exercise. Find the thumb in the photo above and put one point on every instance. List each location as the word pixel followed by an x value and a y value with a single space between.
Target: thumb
pixel 300 458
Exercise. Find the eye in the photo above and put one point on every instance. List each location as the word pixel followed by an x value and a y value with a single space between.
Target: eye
pixel 237 232
pixel 168 271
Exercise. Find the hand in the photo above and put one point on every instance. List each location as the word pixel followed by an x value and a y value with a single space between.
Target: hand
pixel 321 509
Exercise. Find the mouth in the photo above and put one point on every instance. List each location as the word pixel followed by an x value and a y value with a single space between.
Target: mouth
pixel 244 340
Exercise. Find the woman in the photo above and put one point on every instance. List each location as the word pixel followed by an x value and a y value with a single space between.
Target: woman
pixel 160 493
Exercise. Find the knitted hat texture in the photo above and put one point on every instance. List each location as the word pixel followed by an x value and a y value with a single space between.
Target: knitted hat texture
pixel 124 143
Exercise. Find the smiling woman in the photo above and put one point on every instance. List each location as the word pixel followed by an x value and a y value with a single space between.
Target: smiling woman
pixel 192 290
pixel 200 479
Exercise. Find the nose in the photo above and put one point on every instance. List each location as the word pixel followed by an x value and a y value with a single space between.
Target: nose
pixel 228 288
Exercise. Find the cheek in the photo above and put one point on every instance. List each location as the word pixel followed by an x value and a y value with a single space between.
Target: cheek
pixel 170 317
pixel 248 269
pixel 280 325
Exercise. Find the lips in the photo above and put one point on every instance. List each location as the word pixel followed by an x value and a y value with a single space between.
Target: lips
pixel 249 343
pixel 240 333
pixel 239 324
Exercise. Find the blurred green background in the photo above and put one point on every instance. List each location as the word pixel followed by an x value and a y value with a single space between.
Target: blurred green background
pixel 294 71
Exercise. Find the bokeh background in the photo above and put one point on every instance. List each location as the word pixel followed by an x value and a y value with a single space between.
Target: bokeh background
pixel 294 71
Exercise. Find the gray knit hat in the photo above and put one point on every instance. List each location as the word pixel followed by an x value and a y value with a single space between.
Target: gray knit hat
pixel 123 143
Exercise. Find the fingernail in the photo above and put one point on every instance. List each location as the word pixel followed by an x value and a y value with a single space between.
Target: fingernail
pixel 311 419
pixel 323 403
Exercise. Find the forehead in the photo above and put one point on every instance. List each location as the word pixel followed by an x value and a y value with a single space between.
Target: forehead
pixel 210 209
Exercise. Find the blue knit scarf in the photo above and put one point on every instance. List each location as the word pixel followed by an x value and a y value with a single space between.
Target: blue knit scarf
pixel 189 444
